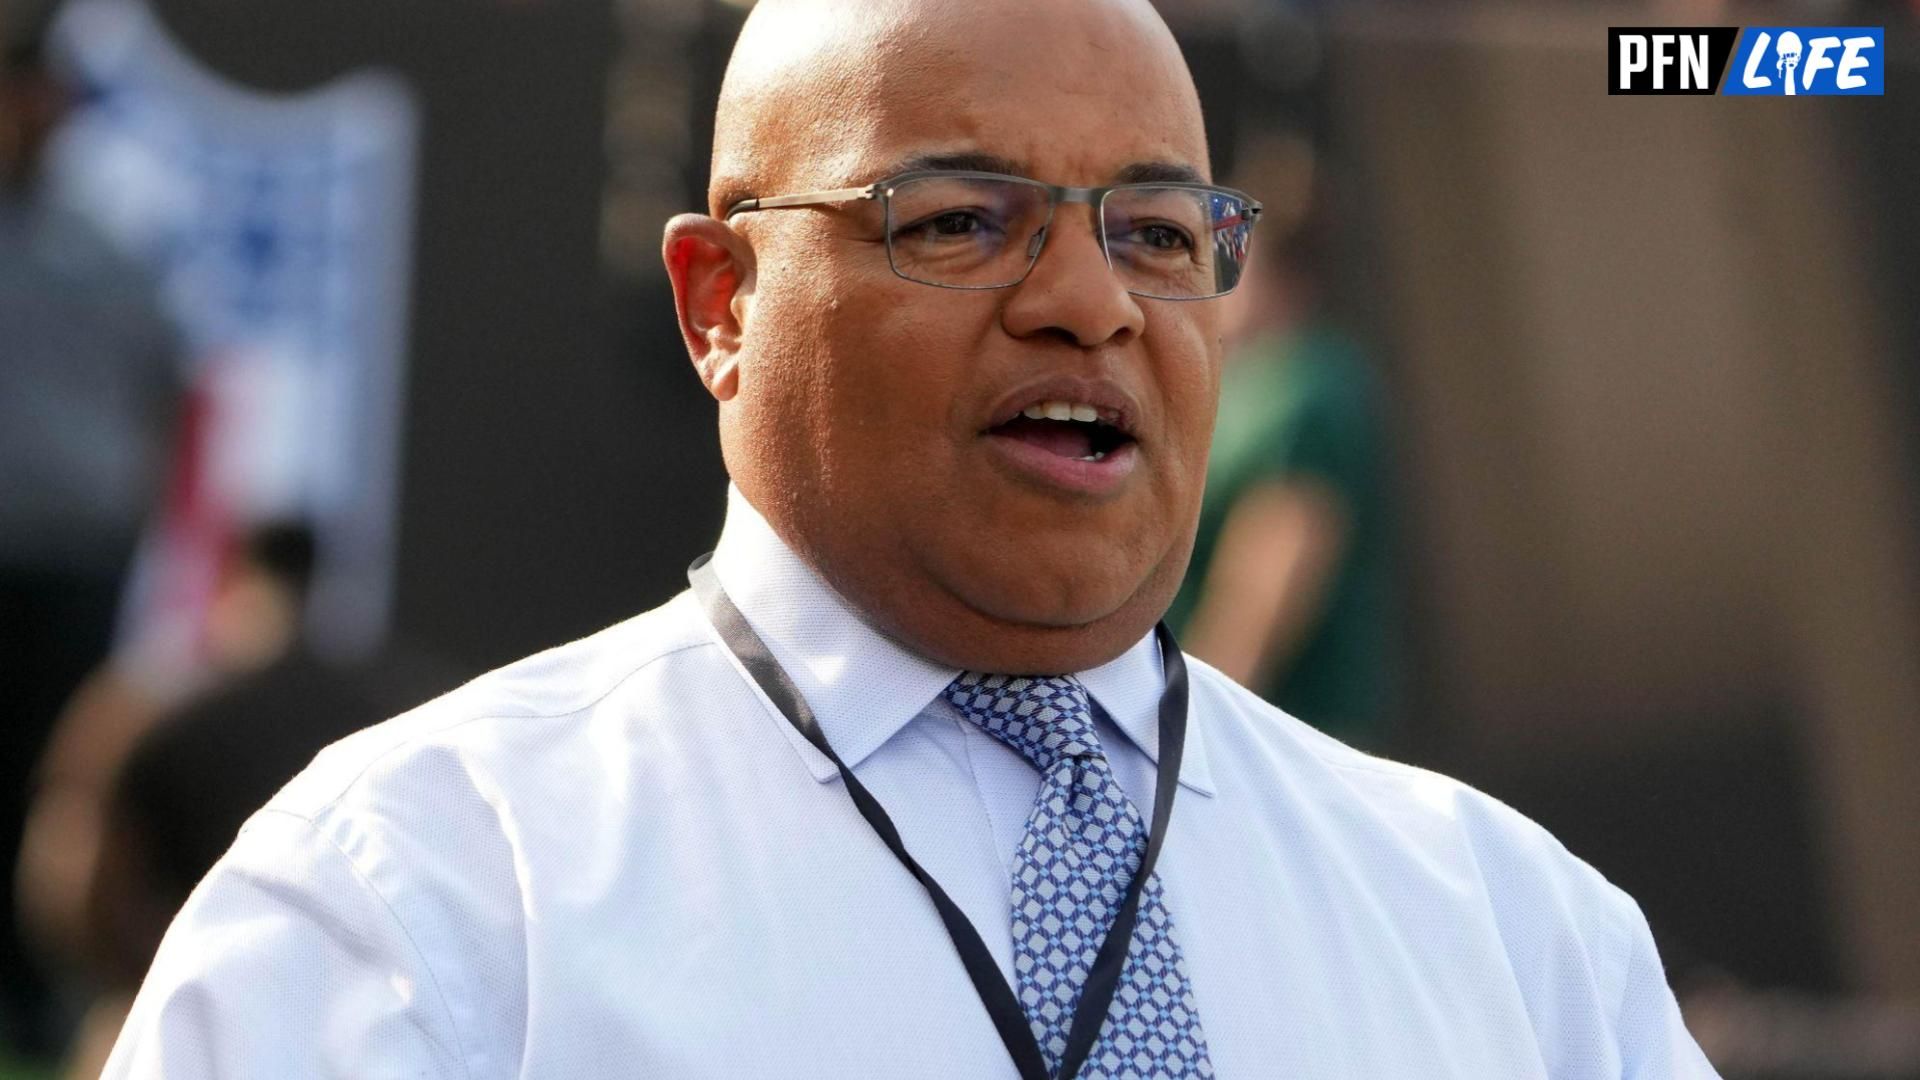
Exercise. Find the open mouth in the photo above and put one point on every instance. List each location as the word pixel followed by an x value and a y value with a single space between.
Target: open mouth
pixel 1071 430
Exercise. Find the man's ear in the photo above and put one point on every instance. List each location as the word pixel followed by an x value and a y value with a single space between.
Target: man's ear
pixel 711 268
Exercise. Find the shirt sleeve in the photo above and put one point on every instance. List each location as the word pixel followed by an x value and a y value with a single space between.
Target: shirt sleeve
pixel 1582 957
pixel 287 962
pixel 1654 1041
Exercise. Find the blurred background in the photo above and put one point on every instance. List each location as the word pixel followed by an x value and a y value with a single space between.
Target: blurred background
pixel 1577 447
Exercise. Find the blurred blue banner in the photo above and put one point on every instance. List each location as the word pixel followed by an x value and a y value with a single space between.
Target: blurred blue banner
pixel 282 230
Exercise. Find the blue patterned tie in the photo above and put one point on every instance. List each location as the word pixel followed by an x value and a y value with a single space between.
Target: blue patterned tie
pixel 1083 845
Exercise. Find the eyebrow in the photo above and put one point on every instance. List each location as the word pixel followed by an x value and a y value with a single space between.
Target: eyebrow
pixel 1140 172
pixel 965 160
pixel 1160 172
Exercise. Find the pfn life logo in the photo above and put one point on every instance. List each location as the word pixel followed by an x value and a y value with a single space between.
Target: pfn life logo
pixel 1788 61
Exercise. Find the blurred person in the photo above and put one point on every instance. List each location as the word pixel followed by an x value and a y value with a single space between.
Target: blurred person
pixel 139 793
pixel 1289 592
pixel 887 793
pixel 89 385
pixel 252 624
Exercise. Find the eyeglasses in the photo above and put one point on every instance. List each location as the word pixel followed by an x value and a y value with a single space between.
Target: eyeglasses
pixel 980 230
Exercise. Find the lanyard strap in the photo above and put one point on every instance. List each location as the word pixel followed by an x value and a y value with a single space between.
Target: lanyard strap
pixel 1002 1005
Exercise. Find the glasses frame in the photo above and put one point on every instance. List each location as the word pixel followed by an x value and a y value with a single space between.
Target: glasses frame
pixel 1096 197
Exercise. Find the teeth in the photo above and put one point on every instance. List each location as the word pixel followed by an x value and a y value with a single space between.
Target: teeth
pixel 1062 410
pixel 1095 456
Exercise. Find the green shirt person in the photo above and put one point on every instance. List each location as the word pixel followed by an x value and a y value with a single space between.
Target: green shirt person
pixel 1290 587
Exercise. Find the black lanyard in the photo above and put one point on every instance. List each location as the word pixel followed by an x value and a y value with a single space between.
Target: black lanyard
pixel 1001 1003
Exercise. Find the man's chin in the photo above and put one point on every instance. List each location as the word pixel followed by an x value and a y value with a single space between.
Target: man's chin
pixel 1011 600
pixel 1036 627
pixel 975 642
pixel 1070 615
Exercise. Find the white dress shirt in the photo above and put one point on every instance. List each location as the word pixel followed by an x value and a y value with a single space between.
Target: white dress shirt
pixel 616 859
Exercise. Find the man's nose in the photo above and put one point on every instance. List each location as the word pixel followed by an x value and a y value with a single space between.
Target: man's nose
pixel 1071 292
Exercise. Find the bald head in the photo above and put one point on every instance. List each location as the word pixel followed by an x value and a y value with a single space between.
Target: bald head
pixel 865 414
pixel 809 81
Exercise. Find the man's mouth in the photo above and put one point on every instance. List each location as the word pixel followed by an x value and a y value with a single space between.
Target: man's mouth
pixel 1073 430
pixel 1074 447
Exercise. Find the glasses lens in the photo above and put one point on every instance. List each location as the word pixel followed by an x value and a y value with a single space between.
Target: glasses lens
pixel 1177 243
pixel 965 232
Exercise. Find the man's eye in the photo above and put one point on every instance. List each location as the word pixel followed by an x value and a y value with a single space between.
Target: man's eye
pixel 954 223
pixel 949 223
pixel 1161 238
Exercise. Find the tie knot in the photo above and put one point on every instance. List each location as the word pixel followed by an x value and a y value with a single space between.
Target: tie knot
pixel 1046 719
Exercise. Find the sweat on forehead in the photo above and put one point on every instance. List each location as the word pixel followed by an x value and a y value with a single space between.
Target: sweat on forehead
pixel 816 89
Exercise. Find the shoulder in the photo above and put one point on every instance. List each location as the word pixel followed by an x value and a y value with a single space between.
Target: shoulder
pixel 405 855
pixel 1450 881
pixel 462 736
pixel 1407 824
pixel 441 814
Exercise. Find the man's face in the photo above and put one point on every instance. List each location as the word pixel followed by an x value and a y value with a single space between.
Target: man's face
pixel 879 421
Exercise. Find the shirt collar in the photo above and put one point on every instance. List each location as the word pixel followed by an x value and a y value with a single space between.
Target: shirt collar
pixel 864 687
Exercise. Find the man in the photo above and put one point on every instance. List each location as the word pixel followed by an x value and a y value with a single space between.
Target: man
pixel 803 821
